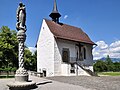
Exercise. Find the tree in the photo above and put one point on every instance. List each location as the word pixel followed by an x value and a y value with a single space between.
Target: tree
pixel 34 61
pixel 8 47
pixel 9 51
pixel 100 66
pixel 117 66
pixel 30 60
pixel 27 58
pixel 109 64
pixel 108 60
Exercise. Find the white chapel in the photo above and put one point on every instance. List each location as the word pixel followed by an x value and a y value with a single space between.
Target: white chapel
pixel 63 50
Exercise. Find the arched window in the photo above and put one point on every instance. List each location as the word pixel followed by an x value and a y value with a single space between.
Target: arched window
pixel 65 55
pixel 84 52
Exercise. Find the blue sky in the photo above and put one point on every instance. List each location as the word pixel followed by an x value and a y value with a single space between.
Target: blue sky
pixel 100 19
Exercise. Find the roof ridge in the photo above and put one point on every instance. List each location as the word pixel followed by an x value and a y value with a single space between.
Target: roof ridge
pixel 68 32
pixel 64 24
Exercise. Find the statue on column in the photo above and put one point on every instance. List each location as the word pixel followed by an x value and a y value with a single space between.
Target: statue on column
pixel 21 73
pixel 21 77
pixel 21 17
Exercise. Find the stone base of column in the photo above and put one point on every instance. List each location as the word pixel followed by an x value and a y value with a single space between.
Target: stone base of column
pixel 21 81
pixel 22 85
pixel 21 78
pixel 21 75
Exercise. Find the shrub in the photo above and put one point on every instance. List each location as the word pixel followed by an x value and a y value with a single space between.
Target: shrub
pixel 1 69
pixel 100 66
pixel 14 69
pixel 7 69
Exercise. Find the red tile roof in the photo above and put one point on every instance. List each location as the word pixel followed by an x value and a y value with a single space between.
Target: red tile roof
pixel 68 32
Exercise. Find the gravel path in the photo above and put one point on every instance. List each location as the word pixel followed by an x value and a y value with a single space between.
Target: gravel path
pixel 3 83
pixel 71 83
pixel 96 83
pixel 44 84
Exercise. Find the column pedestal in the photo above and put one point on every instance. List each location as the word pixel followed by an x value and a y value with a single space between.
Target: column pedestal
pixel 22 81
pixel 21 75
pixel 22 85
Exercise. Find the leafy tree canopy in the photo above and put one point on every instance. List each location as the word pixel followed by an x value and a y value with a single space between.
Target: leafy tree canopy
pixel 100 66
pixel 30 60
pixel 9 51
pixel 8 46
pixel 107 65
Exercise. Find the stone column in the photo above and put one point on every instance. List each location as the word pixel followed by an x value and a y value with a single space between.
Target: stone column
pixel 21 76
pixel 21 73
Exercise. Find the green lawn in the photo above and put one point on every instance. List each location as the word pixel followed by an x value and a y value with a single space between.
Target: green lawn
pixel 109 73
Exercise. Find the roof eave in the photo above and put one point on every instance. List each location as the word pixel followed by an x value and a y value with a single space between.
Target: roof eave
pixel 91 43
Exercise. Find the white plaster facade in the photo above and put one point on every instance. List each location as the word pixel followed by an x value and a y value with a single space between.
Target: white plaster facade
pixel 49 55
pixel 45 51
pixel 64 68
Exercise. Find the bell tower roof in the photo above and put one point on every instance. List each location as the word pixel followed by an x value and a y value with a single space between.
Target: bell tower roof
pixel 55 15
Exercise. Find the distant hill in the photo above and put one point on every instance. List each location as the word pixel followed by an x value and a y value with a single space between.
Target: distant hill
pixel 113 59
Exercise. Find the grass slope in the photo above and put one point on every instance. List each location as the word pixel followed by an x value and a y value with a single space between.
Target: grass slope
pixel 109 73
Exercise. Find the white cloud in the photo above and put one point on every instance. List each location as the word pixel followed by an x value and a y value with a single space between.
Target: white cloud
pixel 115 44
pixel 103 49
pixel 115 50
pixel 32 49
pixel 115 55
pixel 66 16
pixel 102 44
